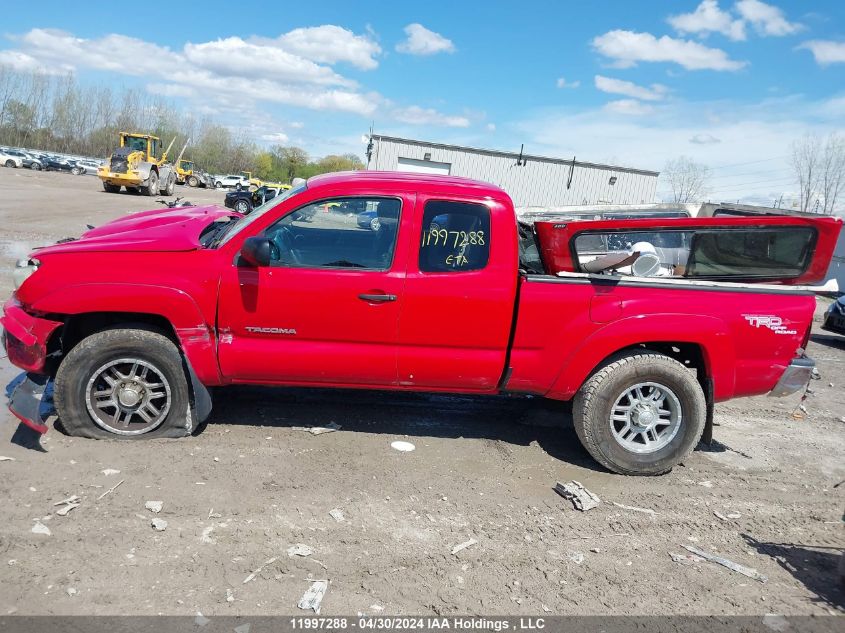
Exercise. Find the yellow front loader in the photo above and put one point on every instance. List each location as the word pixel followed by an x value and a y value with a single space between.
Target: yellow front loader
pixel 140 166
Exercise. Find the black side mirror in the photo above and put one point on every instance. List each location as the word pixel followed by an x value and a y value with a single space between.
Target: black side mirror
pixel 256 251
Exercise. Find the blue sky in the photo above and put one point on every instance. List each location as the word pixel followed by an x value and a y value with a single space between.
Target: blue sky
pixel 728 83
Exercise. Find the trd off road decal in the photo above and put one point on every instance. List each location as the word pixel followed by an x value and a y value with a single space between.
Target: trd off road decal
pixel 774 323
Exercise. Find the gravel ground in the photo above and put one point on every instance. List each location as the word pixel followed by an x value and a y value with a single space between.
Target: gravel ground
pixel 250 485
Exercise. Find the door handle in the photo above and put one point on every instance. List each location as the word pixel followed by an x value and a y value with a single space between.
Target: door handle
pixel 377 298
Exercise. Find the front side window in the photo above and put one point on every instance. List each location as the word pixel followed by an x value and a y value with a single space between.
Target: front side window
pixel 356 233
pixel 455 237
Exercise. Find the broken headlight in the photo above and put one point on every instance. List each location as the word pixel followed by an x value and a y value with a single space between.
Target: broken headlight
pixel 23 269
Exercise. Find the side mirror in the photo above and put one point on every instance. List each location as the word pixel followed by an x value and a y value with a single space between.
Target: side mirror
pixel 256 251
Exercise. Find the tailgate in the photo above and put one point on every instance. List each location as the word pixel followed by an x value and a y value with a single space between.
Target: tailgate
pixel 764 249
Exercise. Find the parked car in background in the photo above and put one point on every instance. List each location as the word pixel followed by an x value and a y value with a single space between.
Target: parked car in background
pixel 10 160
pixel 28 160
pixel 88 166
pixel 834 317
pixel 231 181
pixel 56 163
pixel 244 201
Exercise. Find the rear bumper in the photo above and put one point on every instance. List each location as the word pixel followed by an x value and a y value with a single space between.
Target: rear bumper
pixel 25 336
pixel 795 378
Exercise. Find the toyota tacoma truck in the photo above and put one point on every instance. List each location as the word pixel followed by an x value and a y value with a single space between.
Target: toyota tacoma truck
pixel 643 323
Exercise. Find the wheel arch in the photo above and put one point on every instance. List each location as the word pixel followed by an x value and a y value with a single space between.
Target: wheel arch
pixel 704 344
pixel 78 326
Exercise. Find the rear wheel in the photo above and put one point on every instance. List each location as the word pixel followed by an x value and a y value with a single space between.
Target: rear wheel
pixel 77 171
pixel 124 384
pixel 375 223
pixel 111 188
pixel 10 163
pixel 151 188
pixel 192 181
pixel 641 414
pixel 218 185
pixel 171 186
pixel 35 166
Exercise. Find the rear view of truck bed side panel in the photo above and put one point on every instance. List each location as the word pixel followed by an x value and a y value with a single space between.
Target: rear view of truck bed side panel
pixel 567 327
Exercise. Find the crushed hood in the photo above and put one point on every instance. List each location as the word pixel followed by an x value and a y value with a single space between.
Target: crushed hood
pixel 156 230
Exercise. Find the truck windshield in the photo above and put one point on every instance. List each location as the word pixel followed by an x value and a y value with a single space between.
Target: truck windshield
pixel 259 211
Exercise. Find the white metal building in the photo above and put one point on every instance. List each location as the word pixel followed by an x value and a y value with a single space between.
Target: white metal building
pixel 530 180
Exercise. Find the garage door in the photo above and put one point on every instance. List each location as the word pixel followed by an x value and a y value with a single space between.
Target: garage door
pixel 424 166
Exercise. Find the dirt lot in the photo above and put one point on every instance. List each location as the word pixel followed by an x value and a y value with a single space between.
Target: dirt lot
pixel 249 486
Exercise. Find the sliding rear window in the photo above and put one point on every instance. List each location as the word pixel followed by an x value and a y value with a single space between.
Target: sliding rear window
pixel 712 253
pixel 767 252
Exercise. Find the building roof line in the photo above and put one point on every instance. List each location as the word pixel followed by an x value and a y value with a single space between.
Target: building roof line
pixel 515 155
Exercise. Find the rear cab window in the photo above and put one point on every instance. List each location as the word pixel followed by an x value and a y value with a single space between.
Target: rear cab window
pixel 455 237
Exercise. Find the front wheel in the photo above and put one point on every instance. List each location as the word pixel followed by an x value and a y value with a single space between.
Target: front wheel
pixel 35 166
pixel 641 414
pixel 192 181
pixel 171 186
pixel 111 188
pixel 242 206
pixel 152 185
pixel 77 171
pixel 10 163
pixel 123 384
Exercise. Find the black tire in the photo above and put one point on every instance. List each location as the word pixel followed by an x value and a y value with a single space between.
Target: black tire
pixel 595 400
pixel 35 166
pixel 218 185
pixel 111 188
pixel 243 206
pixel 192 181
pixel 151 188
pixel 77 171
pixel 83 361
pixel 238 186
pixel 10 163
pixel 171 186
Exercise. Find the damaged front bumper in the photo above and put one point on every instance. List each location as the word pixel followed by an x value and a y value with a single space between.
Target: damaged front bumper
pixel 30 400
pixel 795 378
pixel 25 336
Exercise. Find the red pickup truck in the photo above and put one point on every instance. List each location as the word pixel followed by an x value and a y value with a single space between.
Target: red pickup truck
pixel 645 324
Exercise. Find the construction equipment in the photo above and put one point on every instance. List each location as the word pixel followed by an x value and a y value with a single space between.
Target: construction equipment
pixel 140 166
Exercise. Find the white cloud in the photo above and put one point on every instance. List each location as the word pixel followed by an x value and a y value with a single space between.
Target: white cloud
pixel 704 139
pixel 170 90
pixel 421 41
pixel 758 133
pixel 27 63
pixel 50 46
pixel 296 125
pixel 491 127
pixel 766 18
pixel 416 115
pixel 618 86
pixel 708 18
pixel 330 44
pixel 628 107
pixel 562 83
pixel 275 137
pixel 627 48
pixel 226 71
pixel 236 58
pixel 826 51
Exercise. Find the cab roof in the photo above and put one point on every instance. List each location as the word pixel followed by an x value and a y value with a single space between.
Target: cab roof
pixel 398 179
